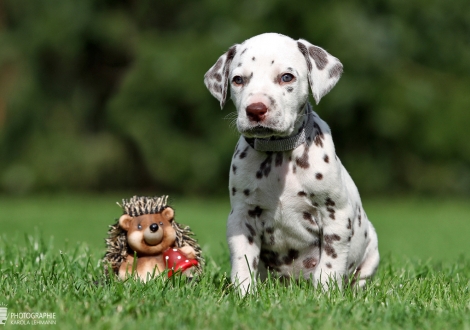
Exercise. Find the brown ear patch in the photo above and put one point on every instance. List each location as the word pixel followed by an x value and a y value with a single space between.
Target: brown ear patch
pixel 319 56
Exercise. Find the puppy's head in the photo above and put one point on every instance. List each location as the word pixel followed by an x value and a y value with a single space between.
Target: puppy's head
pixel 269 76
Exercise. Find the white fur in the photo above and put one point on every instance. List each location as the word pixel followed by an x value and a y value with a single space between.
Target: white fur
pixel 298 212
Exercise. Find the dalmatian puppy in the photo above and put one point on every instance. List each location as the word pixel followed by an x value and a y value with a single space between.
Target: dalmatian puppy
pixel 296 212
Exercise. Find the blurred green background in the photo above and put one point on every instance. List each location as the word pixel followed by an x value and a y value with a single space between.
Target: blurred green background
pixel 100 95
pixel 105 99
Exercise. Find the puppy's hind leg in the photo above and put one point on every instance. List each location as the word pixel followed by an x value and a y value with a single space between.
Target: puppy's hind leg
pixel 369 265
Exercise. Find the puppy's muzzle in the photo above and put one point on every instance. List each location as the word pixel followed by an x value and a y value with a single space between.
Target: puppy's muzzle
pixel 256 112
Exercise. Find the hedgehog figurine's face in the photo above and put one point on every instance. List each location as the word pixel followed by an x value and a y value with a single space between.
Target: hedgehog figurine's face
pixel 149 234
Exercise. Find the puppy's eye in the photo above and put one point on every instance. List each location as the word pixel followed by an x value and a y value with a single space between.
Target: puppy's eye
pixel 287 77
pixel 139 226
pixel 237 80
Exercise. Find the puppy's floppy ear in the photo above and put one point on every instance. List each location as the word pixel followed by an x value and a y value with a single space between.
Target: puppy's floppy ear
pixel 324 70
pixel 216 79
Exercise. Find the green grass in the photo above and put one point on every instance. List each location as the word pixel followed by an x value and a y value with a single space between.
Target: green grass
pixel 50 248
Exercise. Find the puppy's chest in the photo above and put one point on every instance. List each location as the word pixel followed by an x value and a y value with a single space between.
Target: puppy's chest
pixel 276 192
pixel 263 178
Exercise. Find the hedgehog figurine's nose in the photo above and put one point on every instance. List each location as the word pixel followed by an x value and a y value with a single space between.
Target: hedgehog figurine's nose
pixel 153 227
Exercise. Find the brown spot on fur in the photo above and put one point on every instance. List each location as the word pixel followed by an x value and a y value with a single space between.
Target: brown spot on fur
pixel 218 88
pixel 329 202
pixel 309 262
pixel 269 230
pixel 319 57
pixel 336 70
pixel 319 176
pixel 331 238
pixel 319 136
pixel 255 263
pixel 304 51
pixel 328 265
pixel 308 216
pixel 302 161
pixel 349 224
pixel 302 193
pixel 250 239
pixel 326 158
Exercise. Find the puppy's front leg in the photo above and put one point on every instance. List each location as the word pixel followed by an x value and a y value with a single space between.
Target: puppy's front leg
pixel 244 244
pixel 335 243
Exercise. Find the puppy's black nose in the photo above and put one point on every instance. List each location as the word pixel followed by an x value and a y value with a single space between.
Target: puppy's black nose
pixel 153 227
pixel 256 111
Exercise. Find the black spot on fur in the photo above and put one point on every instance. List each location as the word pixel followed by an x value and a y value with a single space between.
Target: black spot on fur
pixel 234 191
pixel 265 166
pixel 291 256
pixel 270 259
pixel 329 202
pixel 250 229
pixel 253 58
pixel 279 159
pixel 234 169
pixel 246 192
pixel 243 153
pixel 289 89
pixel 250 239
pixel 256 212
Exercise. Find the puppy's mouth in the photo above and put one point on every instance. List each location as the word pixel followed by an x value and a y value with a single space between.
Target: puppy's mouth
pixel 260 131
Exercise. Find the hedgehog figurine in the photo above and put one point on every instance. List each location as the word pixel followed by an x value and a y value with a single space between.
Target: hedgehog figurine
pixel 146 240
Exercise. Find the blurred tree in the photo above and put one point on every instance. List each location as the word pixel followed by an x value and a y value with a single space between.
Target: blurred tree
pixel 100 94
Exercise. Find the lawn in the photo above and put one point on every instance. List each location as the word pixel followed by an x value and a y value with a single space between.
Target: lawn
pixel 50 248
